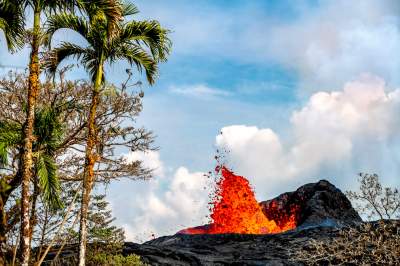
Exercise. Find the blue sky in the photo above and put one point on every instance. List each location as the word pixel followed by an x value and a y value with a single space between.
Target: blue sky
pixel 302 90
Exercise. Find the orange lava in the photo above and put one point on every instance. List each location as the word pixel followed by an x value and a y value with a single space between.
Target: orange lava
pixel 236 210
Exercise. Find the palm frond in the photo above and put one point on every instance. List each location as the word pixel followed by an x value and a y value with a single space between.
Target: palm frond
pixel 137 56
pixel 149 33
pixel 12 23
pixel 10 136
pixel 66 21
pixel 57 55
pixel 48 129
pixel 91 63
pixel 52 6
pixel 129 9
pixel 3 154
pixel 110 10
pixel 46 171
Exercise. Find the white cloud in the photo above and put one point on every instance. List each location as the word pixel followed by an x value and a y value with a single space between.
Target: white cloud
pixel 329 130
pixel 163 207
pixel 150 160
pixel 198 90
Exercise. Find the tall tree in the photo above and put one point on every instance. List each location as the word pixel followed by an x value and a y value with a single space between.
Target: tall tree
pixel 142 43
pixel 18 10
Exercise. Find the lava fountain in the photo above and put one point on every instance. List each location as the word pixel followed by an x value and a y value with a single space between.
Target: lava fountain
pixel 236 210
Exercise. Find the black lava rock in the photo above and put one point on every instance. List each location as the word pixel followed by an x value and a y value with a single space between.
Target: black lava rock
pixel 314 204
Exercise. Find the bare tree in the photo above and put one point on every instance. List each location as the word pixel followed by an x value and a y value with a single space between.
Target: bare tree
pixel 374 200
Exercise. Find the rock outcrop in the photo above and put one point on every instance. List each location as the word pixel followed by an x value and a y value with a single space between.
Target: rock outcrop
pixel 315 204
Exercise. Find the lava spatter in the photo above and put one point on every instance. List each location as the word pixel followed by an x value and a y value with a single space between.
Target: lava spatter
pixel 236 210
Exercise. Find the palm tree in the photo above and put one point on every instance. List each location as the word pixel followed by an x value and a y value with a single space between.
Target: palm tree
pixel 48 135
pixel 141 43
pixel 17 9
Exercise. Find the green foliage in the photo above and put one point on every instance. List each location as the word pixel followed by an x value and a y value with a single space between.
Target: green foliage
pixel 141 43
pixel 49 130
pixel 105 240
pixel 48 134
pixel 115 260
pixel 129 9
pixel 10 136
pixel 103 236
pixel 100 222
pixel 12 24
pixel 46 171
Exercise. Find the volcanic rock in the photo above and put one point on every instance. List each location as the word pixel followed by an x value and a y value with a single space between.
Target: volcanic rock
pixel 227 249
pixel 255 250
pixel 240 249
pixel 315 204
pixel 320 208
pixel 321 211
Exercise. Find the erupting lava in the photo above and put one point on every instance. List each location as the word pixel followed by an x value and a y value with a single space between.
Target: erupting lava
pixel 236 210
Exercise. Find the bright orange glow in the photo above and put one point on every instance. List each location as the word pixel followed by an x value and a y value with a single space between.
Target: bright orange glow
pixel 236 210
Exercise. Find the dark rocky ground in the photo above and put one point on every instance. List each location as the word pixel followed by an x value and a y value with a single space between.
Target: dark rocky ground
pixel 228 249
pixel 322 211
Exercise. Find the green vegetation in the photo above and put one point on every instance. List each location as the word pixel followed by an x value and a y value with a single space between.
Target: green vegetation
pixel 60 135
pixel 107 44
pixel 116 260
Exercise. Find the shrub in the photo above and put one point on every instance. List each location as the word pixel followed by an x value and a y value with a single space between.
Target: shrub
pixel 104 259
pixel 368 244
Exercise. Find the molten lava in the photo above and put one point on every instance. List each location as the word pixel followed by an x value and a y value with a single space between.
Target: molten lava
pixel 236 210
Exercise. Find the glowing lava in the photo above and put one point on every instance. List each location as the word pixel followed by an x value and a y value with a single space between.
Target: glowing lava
pixel 236 210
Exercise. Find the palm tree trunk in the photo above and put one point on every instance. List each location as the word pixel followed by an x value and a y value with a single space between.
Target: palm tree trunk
pixel 91 158
pixel 33 218
pixel 3 224
pixel 33 90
